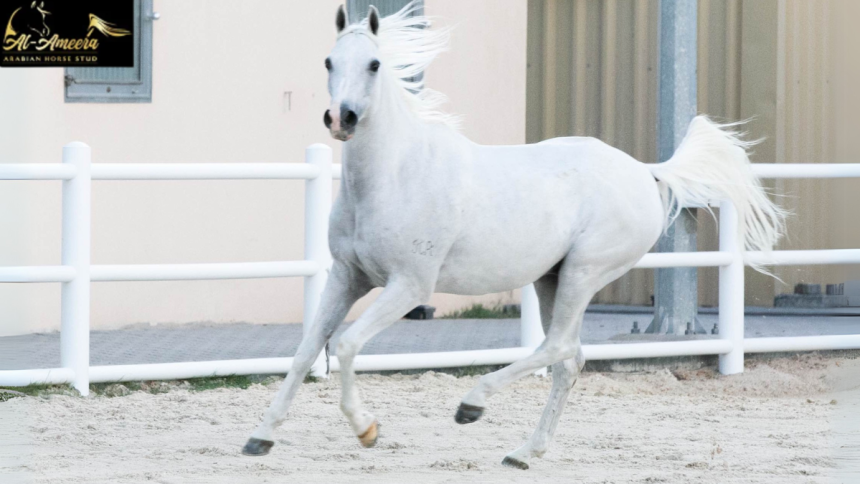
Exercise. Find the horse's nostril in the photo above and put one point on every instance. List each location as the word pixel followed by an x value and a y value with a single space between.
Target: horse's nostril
pixel 349 119
pixel 327 119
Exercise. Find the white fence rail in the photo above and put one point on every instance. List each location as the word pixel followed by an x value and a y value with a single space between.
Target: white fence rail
pixel 77 273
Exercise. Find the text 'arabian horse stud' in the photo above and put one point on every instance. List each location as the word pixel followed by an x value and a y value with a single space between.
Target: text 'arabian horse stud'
pixel 570 215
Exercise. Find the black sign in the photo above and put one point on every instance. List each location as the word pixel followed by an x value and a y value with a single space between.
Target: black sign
pixel 59 33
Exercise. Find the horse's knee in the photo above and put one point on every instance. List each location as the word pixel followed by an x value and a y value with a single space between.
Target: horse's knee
pixel 565 373
pixel 579 359
pixel 568 369
pixel 346 348
pixel 557 351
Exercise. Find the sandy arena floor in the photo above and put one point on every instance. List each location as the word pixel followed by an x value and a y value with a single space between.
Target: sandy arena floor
pixel 792 420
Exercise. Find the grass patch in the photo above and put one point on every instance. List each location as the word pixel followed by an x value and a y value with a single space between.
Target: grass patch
pixel 8 393
pixel 479 311
pixel 232 381
pixel 458 372
pixel 103 388
pixel 29 390
pixel 111 390
pixel 35 390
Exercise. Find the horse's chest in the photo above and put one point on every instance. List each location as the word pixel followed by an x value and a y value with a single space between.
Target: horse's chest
pixel 396 240
pixel 375 257
pixel 383 249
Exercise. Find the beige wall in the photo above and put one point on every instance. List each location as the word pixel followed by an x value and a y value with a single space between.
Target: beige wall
pixel 790 65
pixel 218 96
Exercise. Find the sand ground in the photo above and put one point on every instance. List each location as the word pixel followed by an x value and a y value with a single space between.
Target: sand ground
pixel 787 420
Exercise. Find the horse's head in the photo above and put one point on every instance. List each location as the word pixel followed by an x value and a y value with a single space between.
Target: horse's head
pixel 35 18
pixel 353 68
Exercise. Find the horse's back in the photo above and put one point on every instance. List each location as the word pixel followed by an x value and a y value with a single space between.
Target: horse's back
pixel 569 140
pixel 590 157
pixel 584 149
pixel 625 187
pixel 570 163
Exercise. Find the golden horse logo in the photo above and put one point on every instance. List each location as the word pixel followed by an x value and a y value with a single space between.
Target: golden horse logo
pixel 106 28
pixel 31 19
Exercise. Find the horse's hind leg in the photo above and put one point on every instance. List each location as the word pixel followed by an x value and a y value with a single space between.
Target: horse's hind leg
pixel 575 288
pixel 343 288
pixel 579 279
pixel 564 374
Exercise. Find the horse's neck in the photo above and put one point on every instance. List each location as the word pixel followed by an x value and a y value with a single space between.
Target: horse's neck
pixel 373 158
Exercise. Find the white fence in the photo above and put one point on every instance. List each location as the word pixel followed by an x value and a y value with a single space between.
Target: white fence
pixel 77 273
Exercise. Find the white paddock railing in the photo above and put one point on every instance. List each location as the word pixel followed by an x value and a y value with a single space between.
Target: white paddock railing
pixel 77 273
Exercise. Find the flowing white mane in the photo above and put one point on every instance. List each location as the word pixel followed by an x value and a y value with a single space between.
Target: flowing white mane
pixel 407 45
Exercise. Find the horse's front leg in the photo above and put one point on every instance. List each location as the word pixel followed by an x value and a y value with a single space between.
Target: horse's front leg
pixel 343 288
pixel 398 297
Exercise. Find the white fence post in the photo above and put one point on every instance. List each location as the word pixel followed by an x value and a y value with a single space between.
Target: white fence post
pixel 318 194
pixel 531 329
pixel 75 317
pixel 731 291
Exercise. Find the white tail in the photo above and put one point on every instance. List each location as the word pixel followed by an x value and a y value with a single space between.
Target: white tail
pixel 712 164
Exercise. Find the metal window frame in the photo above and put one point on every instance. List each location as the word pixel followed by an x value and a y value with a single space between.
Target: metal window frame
pixel 98 91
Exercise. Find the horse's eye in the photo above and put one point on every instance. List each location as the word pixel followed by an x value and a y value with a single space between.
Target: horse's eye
pixel 328 64
pixel 374 66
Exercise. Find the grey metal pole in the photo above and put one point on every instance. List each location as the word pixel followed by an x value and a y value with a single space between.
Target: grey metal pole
pixel 676 291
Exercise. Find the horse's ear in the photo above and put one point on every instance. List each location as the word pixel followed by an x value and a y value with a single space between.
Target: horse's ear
pixel 340 21
pixel 373 20
pixel 34 4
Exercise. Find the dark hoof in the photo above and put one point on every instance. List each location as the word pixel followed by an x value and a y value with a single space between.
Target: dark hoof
pixel 257 447
pixel 467 414
pixel 516 464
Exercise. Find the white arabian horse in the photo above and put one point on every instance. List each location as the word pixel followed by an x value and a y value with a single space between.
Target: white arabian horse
pixel 422 209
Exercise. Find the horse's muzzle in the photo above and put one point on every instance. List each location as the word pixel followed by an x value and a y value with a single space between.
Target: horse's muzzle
pixel 341 127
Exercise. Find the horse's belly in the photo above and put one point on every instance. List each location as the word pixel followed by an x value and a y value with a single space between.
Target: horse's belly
pixel 456 280
pixel 495 258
